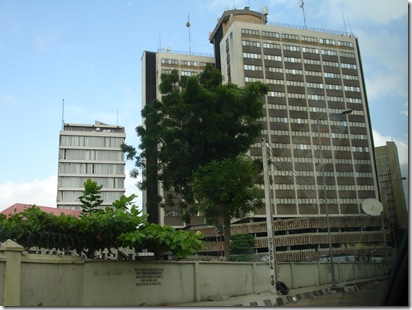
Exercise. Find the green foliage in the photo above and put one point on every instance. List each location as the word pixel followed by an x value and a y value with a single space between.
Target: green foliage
pixel 199 120
pixel 242 244
pixel 99 229
pixel 227 188
pixel 91 199
pixel 164 239
pixel 242 247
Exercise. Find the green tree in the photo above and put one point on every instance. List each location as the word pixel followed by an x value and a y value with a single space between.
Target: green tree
pixel 242 246
pixel 91 199
pixel 121 225
pixel 226 189
pixel 198 120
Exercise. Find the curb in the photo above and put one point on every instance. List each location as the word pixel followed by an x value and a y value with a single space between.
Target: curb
pixel 279 301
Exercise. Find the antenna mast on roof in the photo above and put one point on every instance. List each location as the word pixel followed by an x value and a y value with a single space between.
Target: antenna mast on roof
pixel 302 5
pixel 188 26
pixel 63 115
pixel 344 23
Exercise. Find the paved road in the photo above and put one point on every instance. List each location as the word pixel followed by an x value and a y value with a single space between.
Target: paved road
pixel 368 296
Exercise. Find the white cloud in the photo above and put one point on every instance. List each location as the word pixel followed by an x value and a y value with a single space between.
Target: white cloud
pixel 9 100
pixel 43 192
pixel 405 110
pixel 39 192
pixel 44 40
pixel 365 12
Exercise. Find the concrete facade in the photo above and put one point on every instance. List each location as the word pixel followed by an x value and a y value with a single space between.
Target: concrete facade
pixel 391 189
pixel 90 152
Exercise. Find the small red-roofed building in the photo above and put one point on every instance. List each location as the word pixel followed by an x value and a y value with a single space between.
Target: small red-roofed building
pixel 20 207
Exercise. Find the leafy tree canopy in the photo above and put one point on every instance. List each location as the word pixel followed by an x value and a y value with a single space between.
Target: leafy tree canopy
pixel 199 120
pixel 121 225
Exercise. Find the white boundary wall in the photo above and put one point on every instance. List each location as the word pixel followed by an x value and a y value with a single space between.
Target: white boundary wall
pixel 69 281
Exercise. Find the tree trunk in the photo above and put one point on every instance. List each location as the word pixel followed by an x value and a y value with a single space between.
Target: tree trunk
pixel 226 243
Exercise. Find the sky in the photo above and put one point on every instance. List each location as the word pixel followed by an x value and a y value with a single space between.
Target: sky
pixel 88 53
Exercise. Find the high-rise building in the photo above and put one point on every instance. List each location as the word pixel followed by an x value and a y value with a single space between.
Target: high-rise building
pixel 90 152
pixel 391 187
pixel 317 126
pixel 154 64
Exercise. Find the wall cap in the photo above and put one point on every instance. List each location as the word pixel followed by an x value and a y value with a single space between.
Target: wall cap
pixel 10 245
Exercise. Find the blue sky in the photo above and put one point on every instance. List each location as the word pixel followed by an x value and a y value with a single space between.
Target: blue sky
pixel 88 52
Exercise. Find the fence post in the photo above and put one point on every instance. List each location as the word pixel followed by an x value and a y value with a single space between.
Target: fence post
pixel 12 273
pixel 198 295
pixel 254 276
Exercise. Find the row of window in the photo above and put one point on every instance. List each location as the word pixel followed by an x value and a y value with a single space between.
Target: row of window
pixel 82 141
pixel 98 155
pixel 314 201
pixel 311 173
pixel 73 196
pixel 333 135
pixel 182 72
pixel 276 35
pixel 249 55
pixel 76 182
pixel 297 83
pixel 91 168
pixel 310 97
pixel 288 160
pixel 188 63
pixel 302 146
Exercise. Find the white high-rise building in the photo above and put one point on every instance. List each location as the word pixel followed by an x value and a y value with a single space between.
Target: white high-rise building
pixel 90 152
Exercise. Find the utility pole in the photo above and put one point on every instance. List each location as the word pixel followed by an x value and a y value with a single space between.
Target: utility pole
pixel 269 220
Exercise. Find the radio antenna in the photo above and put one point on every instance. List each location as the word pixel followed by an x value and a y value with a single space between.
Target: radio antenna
pixel 63 115
pixel 344 23
pixel 188 27
pixel 302 5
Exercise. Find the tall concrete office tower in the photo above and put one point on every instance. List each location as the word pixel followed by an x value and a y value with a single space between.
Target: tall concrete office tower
pixel 314 77
pixel 391 188
pixel 154 64
pixel 90 152
pixel 317 128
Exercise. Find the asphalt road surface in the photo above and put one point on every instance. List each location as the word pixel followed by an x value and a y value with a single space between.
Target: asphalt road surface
pixel 368 296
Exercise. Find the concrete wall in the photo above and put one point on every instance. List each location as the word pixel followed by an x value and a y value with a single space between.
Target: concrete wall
pixel 69 281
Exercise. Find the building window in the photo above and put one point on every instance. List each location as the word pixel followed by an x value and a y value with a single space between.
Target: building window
pixel 170 61
pixel 292 48
pixel 327 41
pixel 188 73
pixel 346 54
pixel 252 55
pixel 273 57
pixel 252 68
pixel 250 32
pixel 250 43
pixel 329 52
pixel 270 34
pixel 271 45
pixel 290 36
pixel 293 59
pixel 310 50
pixel 348 66
pixel 345 43
pixel 189 63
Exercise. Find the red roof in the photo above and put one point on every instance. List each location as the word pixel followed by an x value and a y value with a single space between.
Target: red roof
pixel 19 207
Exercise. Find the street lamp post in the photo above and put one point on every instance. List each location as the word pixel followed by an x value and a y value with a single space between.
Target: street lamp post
pixel 332 268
